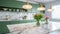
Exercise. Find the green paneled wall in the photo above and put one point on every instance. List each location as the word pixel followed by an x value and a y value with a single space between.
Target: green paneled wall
pixel 17 4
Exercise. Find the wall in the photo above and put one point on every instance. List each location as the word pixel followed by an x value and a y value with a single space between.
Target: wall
pixel 49 13
pixel 10 3
pixel 16 4
pixel 16 15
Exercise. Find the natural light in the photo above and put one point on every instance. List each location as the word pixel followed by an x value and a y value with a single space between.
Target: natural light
pixel 56 12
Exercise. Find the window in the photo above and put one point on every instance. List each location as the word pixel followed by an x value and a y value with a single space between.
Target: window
pixel 56 12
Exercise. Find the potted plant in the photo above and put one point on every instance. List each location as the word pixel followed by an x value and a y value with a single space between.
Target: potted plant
pixel 38 18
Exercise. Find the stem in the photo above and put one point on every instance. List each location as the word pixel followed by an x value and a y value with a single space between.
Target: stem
pixel 38 24
pixel 46 21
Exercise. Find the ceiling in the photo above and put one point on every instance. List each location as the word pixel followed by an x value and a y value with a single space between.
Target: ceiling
pixel 37 1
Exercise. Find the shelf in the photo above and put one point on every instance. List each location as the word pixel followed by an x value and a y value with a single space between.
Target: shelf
pixel 12 9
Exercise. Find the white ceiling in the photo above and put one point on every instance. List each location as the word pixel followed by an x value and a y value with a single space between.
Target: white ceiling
pixel 37 1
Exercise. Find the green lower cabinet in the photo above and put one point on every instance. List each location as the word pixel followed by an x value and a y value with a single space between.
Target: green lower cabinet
pixel 3 29
pixel 3 25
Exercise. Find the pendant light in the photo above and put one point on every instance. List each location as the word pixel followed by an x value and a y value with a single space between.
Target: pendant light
pixel 27 6
pixel 50 9
pixel 41 7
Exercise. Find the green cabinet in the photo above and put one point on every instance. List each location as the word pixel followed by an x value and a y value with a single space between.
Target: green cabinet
pixel 3 24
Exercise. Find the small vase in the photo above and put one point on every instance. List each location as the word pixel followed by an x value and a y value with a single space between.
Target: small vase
pixel 38 24
pixel 46 21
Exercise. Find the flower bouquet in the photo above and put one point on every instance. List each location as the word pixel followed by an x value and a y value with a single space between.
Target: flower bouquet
pixel 46 19
pixel 38 17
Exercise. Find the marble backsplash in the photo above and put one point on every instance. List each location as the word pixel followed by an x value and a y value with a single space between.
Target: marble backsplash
pixel 15 16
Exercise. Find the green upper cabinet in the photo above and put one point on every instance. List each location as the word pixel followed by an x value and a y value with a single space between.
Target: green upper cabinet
pixel 17 4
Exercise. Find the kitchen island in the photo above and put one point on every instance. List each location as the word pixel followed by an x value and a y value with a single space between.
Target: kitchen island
pixel 4 23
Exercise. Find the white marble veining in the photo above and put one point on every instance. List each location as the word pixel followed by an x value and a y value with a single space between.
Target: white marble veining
pixel 28 27
pixel 16 15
